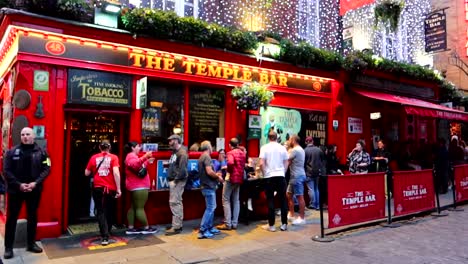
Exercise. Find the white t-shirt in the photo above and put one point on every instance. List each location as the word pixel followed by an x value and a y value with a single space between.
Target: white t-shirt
pixel 273 155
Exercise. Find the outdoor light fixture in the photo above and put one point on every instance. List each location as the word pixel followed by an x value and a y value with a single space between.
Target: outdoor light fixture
pixel 375 116
pixel 177 129
pixel 111 7
pixel 107 13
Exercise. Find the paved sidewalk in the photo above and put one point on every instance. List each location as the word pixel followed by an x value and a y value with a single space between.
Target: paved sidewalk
pixel 252 244
pixel 427 240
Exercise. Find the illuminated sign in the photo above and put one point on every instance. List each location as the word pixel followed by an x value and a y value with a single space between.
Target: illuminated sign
pixel 50 44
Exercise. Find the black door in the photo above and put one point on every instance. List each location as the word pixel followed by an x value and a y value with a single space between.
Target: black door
pixel 86 130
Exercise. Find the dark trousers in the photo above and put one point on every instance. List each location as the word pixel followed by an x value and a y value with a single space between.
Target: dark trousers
pixel 104 202
pixel 15 202
pixel 276 184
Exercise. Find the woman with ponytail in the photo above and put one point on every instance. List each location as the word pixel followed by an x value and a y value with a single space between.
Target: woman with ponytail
pixel 138 187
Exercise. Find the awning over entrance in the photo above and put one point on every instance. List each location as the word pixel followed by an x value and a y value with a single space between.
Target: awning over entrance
pixel 418 107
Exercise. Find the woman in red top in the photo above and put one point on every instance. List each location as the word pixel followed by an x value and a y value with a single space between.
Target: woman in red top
pixel 138 187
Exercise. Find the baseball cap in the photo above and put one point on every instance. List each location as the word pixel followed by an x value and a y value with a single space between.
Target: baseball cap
pixel 309 139
pixel 175 136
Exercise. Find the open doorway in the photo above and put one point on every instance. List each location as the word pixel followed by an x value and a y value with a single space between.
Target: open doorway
pixel 83 133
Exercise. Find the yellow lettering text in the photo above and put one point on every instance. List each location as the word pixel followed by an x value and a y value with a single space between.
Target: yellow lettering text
pixel 188 66
pixel 137 59
pixel 214 71
pixel 169 64
pixel 201 69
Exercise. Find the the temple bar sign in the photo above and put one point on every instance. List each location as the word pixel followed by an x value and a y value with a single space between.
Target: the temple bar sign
pixel 166 62
pixel 99 88
pixel 224 71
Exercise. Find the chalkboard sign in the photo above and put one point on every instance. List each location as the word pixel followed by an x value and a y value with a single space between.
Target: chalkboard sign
pixel 99 88
pixel 206 109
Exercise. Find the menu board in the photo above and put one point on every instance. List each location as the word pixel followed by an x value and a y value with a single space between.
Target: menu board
pixel 206 108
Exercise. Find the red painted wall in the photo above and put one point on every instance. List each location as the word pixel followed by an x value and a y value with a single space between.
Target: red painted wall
pixel 50 210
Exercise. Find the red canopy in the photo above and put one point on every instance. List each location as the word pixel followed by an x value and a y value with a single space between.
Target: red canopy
pixel 418 107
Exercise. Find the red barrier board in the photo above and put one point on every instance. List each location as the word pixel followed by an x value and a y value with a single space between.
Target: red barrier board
pixel 461 182
pixel 413 191
pixel 355 198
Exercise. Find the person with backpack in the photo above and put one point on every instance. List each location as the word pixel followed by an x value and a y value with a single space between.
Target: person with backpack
pixel 105 169
pixel 236 159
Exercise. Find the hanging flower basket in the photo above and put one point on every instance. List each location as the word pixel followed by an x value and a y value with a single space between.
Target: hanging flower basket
pixel 251 96
pixel 389 11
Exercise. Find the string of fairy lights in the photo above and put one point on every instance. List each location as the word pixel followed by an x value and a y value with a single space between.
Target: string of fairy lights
pixel 317 22
pixel 406 44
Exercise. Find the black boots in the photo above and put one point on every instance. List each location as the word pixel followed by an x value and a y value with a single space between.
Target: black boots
pixel 8 253
pixel 34 248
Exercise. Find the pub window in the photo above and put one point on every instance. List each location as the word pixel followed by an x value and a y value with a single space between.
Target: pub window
pixel 206 115
pixel 163 115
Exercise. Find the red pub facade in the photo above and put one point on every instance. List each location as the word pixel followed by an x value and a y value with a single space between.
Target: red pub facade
pixel 76 84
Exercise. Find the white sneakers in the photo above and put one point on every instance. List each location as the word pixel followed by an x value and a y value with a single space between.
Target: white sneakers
pixel 291 217
pixel 269 228
pixel 299 221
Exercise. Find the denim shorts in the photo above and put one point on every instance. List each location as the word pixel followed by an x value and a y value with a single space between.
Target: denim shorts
pixel 296 185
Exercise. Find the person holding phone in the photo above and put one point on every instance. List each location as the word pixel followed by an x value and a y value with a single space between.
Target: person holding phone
pixel 104 167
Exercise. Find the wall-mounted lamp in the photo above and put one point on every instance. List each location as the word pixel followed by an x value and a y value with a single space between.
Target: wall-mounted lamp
pixel 107 14
pixel 111 7
pixel 375 116
pixel 177 129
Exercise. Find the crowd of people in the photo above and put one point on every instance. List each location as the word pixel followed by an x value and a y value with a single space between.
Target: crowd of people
pixel 286 172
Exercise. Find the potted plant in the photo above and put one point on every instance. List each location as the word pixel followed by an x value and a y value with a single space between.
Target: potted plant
pixel 388 11
pixel 252 95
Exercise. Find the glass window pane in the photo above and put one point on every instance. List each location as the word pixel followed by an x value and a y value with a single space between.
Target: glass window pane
pixel 163 113
pixel 188 11
pixel 158 4
pixel 189 2
pixel 206 116
pixel 170 6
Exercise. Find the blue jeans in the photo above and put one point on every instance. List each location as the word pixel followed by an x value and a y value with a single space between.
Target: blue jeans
pixel 313 190
pixel 208 216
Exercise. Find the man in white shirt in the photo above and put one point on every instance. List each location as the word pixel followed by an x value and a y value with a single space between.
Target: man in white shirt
pixel 274 163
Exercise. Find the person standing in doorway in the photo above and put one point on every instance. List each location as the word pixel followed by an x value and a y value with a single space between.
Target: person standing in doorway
pixel 104 167
pixel 209 180
pixel 138 187
pixel 236 159
pixel 274 163
pixel 177 177
pixel 25 167
pixel 297 179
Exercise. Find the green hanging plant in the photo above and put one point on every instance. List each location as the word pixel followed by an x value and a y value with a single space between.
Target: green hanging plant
pixel 252 95
pixel 389 12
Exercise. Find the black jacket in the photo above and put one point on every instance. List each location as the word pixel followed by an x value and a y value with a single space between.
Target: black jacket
pixel 315 162
pixel 178 165
pixel 14 162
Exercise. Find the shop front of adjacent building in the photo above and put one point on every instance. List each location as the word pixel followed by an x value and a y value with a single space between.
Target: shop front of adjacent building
pixel 75 86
